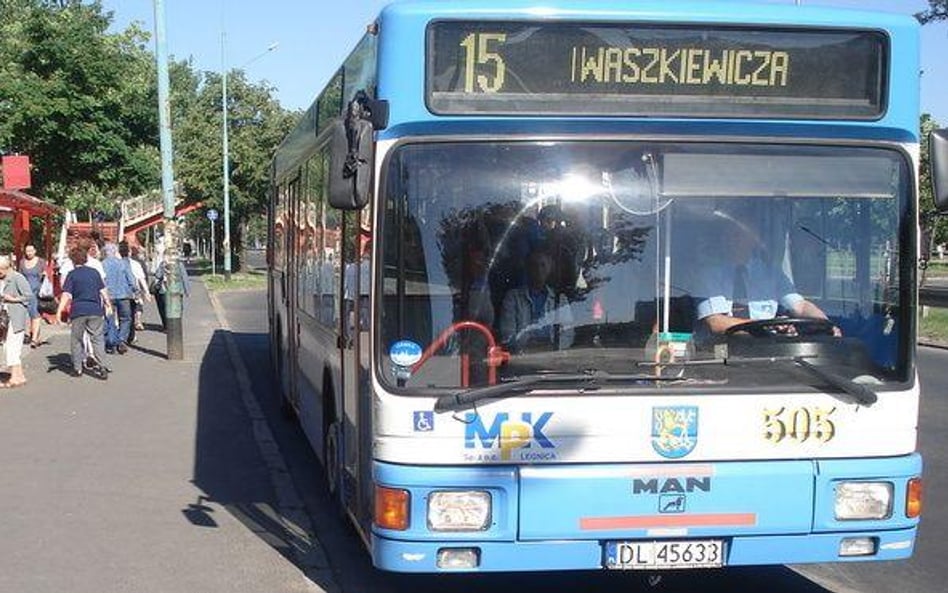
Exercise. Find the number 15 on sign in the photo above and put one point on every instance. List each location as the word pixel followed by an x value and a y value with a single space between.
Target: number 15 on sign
pixel 480 52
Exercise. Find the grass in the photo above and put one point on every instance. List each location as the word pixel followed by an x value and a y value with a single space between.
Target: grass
pixel 238 281
pixel 937 268
pixel 250 280
pixel 933 326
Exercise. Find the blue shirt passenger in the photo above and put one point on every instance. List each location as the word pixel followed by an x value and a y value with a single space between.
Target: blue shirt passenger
pixel 118 275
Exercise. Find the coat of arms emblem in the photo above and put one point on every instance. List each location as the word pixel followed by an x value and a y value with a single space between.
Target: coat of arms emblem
pixel 674 430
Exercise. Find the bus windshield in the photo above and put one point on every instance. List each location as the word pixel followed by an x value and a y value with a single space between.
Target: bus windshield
pixel 615 255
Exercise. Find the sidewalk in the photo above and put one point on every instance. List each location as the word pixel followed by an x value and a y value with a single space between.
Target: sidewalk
pixel 151 481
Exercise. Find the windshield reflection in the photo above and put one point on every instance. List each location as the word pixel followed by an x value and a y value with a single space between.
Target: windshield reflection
pixel 571 257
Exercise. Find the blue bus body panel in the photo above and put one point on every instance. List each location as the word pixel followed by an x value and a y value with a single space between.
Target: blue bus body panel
pixel 693 130
pixel 550 517
pixel 401 68
pixel 610 502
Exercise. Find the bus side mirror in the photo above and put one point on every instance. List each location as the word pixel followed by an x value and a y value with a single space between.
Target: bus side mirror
pixel 938 153
pixel 351 164
pixel 352 157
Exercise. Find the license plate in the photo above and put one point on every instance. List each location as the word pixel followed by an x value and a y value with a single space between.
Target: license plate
pixel 665 555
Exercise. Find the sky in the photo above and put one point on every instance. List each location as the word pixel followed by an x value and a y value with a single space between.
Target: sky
pixel 314 36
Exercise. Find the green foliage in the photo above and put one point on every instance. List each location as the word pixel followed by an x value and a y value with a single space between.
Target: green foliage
pixel 257 124
pixel 937 11
pixel 238 281
pixel 83 104
pixel 78 101
pixel 933 324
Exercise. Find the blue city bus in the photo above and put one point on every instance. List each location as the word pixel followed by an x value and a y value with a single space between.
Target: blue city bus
pixel 608 285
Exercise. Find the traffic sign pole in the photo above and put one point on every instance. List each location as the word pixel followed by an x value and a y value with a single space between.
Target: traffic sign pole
pixel 213 255
pixel 212 216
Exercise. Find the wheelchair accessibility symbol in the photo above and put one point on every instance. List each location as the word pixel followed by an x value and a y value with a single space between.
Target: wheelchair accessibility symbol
pixel 424 421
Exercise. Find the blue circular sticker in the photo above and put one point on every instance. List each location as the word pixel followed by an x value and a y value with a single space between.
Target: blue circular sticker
pixel 405 353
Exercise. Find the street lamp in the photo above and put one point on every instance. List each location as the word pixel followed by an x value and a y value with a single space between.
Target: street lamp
pixel 226 146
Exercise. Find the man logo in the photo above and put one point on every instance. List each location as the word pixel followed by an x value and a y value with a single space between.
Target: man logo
pixel 509 435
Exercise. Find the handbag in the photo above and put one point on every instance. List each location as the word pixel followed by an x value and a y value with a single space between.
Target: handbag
pixel 46 288
pixel 156 283
pixel 4 324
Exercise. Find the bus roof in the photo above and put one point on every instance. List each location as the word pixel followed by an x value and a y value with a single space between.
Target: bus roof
pixel 653 10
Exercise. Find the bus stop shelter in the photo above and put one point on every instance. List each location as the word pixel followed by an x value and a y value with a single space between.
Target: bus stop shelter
pixel 22 208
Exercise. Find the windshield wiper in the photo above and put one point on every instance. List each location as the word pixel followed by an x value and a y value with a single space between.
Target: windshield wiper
pixel 588 380
pixel 858 393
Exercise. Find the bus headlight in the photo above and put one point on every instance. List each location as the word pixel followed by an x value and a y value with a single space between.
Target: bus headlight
pixel 459 510
pixel 863 500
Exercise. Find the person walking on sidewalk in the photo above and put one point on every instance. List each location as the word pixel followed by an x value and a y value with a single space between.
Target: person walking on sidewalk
pixel 121 285
pixel 33 269
pixel 86 291
pixel 16 294
pixel 161 287
pixel 143 294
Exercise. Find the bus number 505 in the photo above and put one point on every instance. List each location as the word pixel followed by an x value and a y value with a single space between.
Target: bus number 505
pixel 799 424
pixel 480 49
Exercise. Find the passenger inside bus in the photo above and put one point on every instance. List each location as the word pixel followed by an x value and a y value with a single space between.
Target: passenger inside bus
pixel 747 284
pixel 535 316
pixel 561 240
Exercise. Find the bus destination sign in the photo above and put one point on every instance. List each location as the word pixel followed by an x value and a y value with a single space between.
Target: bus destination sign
pixel 522 68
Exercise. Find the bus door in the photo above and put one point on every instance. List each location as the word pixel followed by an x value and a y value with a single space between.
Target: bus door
pixel 293 236
pixel 357 425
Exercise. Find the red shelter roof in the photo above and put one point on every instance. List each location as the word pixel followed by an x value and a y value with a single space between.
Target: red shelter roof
pixel 14 200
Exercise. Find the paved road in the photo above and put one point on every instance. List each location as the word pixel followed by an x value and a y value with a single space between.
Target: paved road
pixel 925 573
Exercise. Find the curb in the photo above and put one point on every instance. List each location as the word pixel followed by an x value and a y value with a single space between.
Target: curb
pixel 298 528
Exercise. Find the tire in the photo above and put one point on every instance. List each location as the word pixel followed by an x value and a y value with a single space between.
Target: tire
pixel 279 371
pixel 331 461
pixel 287 411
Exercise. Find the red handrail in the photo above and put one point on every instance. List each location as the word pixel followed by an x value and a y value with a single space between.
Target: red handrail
pixel 496 355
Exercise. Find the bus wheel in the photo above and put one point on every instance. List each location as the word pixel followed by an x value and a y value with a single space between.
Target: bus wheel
pixel 279 376
pixel 331 458
pixel 286 409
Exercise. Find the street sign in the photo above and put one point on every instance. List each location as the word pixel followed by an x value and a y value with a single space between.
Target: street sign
pixel 212 214
pixel 16 172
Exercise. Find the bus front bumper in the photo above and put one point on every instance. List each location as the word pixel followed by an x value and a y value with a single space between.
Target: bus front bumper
pixel 422 557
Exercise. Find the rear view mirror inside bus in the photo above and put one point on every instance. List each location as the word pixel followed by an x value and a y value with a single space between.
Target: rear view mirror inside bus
pixel 938 150
pixel 351 165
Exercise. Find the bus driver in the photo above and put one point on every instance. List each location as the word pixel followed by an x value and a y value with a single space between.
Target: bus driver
pixel 745 286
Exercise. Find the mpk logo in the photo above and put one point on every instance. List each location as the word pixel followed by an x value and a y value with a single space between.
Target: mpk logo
pixel 510 435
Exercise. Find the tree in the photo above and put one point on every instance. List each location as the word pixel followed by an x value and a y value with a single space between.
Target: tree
pixel 257 125
pixel 937 11
pixel 82 102
pixel 78 100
